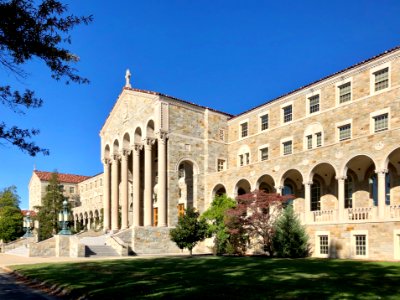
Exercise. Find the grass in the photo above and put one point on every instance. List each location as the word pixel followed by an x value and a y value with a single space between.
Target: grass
pixel 222 278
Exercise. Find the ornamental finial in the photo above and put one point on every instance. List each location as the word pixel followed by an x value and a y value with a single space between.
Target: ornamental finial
pixel 127 78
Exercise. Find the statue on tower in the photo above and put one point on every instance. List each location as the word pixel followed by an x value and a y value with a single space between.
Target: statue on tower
pixel 128 79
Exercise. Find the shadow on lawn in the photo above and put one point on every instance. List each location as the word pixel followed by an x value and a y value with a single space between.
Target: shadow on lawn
pixel 230 277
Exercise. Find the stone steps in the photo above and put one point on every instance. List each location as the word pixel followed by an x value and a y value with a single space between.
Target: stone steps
pixel 100 250
pixel 20 251
pixel 97 240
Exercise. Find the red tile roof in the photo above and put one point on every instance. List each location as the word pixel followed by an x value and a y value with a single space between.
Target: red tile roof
pixel 32 213
pixel 68 178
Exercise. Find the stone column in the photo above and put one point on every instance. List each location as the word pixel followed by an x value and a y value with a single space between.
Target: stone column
pixel 279 189
pixel 136 184
pixel 381 192
pixel 162 180
pixel 341 196
pixel 106 196
pixel 114 193
pixel 307 200
pixel 124 191
pixel 148 200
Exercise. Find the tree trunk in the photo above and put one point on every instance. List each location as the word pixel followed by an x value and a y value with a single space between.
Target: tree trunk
pixel 190 251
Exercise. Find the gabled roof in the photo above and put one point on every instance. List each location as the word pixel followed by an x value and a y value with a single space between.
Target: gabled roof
pixel 68 178
pixel 32 213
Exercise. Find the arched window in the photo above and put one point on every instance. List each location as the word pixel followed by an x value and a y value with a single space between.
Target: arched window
pixel 241 191
pixel 316 196
pixel 348 192
pixel 287 189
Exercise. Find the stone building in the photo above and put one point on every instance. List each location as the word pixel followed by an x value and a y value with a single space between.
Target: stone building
pixel 334 144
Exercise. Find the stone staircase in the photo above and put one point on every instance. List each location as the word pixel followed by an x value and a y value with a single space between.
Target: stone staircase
pixel 96 246
pixel 20 251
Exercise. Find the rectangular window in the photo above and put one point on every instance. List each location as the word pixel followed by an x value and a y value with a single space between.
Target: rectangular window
pixel 314 103
pixel 264 154
pixel 244 129
pixel 361 244
pixel 220 165
pixel 287 114
pixel 101 182
pixel 381 122
pixel 241 161
pixel 323 244
pixel 345 92
pixel 344 132
pixel 221 135
pixel 247 158
pixel 318 135
pixel 309 141
pixel 71 190
pixel 181 210
pixel 287 148
pixel 155 216
pixel 381 79
pixel 264 122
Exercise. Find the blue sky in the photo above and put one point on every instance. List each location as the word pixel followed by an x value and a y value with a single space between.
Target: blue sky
pixel 228 55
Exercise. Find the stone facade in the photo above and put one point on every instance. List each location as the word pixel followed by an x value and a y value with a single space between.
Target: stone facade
pixel 334 144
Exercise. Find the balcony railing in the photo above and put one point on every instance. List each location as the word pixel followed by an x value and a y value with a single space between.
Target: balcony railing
pixel 324 215
pixel 360 213
pixel 393 211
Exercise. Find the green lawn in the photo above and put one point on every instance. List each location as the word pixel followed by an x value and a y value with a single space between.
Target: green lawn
pixel 223 278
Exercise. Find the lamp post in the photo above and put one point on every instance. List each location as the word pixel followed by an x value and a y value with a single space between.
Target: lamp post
pixel 63 218
pixel 27 225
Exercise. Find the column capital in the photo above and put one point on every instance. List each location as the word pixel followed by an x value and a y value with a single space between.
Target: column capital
pixel 307 182
pixel 148 142
pixel 137 147
pixel 106 161
pixel 162 136
pixel 341 177
pixel 381 171
pixel 279 187
pixel 125 153
pixel 116 156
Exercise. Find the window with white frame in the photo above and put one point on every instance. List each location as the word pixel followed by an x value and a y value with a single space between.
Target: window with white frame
pixel 344 132
pixel 264 122
pixel 221 165
pixel 318 137
pixel 243 155
pixel 309 141
pixel 313 102
pixel 241 159
pixel 244 129
pixel 381 79
pixel 381 122
pixel 287 113
pixel 344 92
pixel 360 244
pixel 264 153
pixel 287 147
pixel 323 244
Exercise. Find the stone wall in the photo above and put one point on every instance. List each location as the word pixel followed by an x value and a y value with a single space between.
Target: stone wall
pixel 153 240
pixel 44 248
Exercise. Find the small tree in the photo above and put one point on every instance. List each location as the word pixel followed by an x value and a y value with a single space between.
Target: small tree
pixel 254 217
pixel 215 216
pixel 10 215
pixel 189 231
pixel 51 205
pixel 290 239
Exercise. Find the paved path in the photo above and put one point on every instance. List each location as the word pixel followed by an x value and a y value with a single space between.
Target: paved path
pixel 10 289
